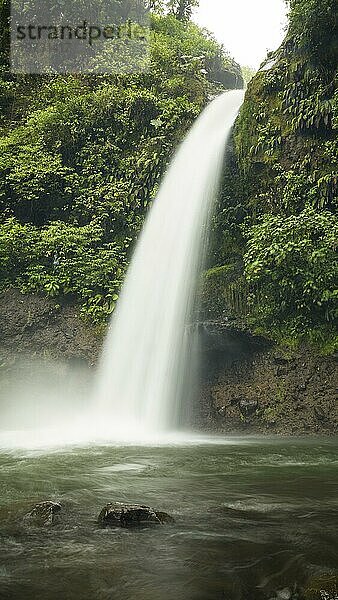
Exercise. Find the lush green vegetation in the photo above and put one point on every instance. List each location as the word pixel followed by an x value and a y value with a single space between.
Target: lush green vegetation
pixel 81 158
pixel 248 73
pixel 275 226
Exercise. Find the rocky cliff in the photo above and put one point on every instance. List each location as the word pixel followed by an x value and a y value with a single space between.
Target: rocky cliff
pixel 248 384
pixel 33 326
pixel 252 386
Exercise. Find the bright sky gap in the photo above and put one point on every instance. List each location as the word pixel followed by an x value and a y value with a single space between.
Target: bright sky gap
pixel 247 28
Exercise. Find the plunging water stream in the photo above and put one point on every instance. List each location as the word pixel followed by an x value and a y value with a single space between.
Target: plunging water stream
pixel 149 356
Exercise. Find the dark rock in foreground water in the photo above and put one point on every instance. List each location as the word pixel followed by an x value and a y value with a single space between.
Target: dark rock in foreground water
pixel 164 517
pixel 43 514
pixel 118 514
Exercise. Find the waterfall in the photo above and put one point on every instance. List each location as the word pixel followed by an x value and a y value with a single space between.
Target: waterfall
pixel 143 380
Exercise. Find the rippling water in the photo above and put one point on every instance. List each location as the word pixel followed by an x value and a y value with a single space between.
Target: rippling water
pixel 252 516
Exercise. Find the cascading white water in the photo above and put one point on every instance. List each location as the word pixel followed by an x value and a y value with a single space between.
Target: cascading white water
pixel 147 351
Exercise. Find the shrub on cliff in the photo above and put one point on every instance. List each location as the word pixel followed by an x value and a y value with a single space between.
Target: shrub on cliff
pixel 290 262
pixel 63 260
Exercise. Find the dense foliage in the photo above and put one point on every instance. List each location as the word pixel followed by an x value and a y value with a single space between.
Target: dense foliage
pixel 81 158
pixel 64 260
pixel 292 262
pixel 182 9
pixel 276 219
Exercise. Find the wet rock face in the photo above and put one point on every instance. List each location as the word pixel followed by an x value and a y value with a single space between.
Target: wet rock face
pixel 248 407
pixel 249 387
pixel 33 326
pixel 43 514
pixel 118 514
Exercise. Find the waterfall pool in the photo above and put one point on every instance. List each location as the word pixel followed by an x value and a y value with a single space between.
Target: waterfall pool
pixel 253 516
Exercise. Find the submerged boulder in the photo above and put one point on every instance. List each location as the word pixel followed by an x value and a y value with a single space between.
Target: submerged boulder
pixel 43 514
pixel 118 514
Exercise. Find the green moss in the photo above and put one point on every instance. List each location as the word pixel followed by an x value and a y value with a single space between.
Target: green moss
pixel 271 415
pixel 322 341
pixel 224 273
pixel 223 292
